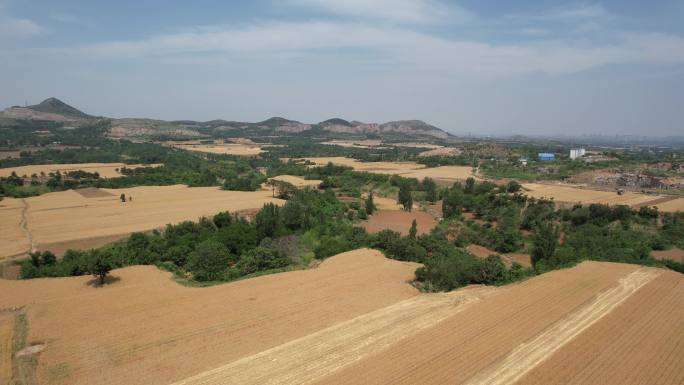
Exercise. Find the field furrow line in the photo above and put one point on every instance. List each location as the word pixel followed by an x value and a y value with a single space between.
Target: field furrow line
pixel 309 358
pixel 528 355
pixel 655 309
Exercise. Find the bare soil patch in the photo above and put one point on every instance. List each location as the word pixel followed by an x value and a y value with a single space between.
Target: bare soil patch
pixel 399 221
pixel 673 254
pixel 9 154
pixel 93 192
pixel 480 251
pixel 147 329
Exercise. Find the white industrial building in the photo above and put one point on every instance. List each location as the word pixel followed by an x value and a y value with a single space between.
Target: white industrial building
pixel 577 153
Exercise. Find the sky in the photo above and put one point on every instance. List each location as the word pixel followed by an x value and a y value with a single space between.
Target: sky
pixel 529 67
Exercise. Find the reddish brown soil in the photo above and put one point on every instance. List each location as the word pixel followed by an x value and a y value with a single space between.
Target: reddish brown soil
pixel 673 254
pixel 399 221
pixel 480 251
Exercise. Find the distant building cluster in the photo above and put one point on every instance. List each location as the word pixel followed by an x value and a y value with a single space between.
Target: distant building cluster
pixel 546 156
pixel 577 153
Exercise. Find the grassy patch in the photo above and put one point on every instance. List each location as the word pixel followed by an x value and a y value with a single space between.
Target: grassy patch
pixel 24 367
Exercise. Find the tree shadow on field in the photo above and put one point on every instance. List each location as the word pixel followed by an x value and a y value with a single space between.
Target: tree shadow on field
pixel 109 280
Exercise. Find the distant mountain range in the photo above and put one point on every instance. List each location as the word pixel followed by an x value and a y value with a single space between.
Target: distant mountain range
pixel 53 109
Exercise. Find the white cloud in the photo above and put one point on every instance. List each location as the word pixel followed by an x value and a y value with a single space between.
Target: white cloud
pixel 414 51
pixel 400 11
pixel 69 18
pixel 575 13
pixel 14 27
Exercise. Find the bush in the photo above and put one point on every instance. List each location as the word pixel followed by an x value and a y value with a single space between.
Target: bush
pixel 209 261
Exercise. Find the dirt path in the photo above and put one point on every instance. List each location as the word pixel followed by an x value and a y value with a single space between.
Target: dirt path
pixel 24 226
pixel 530 354
pixel 310 358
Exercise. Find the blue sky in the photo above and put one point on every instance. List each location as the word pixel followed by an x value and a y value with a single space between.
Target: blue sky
pixel 488 67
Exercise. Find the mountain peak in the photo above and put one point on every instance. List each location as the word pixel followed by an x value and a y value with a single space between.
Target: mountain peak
pixel 53 105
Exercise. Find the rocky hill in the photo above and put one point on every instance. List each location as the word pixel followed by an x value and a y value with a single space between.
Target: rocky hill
pixel 49 109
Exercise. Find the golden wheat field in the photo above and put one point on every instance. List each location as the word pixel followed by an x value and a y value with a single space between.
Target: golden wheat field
pixel 298 181
pixel 570 194
pixel 106 170
pixel 146 329
pixel 242 149
pixel 355 319
pixel 92 217
pixel 405 169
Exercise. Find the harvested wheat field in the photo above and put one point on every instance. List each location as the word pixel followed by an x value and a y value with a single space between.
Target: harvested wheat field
pixel 240 149
pixel 70 219
pixel 146 329
pixel 365 143
pixel 399 221
pixel 6 331
pixel 405 169
pixel 672 205
pixel 106 170
pixel 595 323
pixel 14 238
pixel 298 181
pixel 569 194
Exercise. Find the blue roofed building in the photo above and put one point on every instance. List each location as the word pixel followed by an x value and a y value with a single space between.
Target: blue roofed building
pixel 546 156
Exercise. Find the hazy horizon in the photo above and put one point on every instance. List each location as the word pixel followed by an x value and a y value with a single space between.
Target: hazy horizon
pixel 531 68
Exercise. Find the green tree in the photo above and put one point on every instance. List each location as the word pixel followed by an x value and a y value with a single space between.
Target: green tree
pixel 370 205
pixel 209 261
pixel 430 188
pixel 405 197
pixel 100 264
pixel 545 243
pixel 268 221
pixel 413 231
pixel 470 185
pixel 513 186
